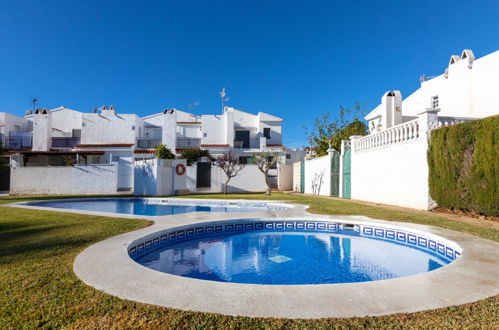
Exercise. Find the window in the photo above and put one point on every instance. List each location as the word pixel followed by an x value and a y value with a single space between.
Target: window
pixel 77 133
pixel 434 102
pixel 205 134
pixel 288 156
pixel 266 132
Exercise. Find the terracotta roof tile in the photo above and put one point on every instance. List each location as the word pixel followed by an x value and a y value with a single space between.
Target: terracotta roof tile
pixel 214 146
pixel 110 145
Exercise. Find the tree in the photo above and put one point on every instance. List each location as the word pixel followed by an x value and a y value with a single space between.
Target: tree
pixel 230 165
pixel 193 156
pixel 330 132
pixel 163 152
pixel 265 161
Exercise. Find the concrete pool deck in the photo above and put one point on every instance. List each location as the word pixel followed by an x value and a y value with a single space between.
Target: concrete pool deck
pixel 107 266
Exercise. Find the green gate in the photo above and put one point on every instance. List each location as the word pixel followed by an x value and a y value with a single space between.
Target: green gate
pixel 335 174
pixel 302 176
pixel 347 183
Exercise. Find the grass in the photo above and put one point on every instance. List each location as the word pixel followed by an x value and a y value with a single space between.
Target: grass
pixel 39 289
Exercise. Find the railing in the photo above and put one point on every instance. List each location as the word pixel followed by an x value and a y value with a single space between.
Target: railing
pixel 403 133
pixel 238 144
pixel 148 143
pixel 19 142
pixel 188 143
pixel 65 142
pixel 449 121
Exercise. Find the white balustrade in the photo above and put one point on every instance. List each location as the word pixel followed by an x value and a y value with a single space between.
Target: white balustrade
pixel 449 121
pixel 403 133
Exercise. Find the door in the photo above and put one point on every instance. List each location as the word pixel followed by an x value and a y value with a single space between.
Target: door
pixel 347 192
pixel 244 138
pixel 203 175
pixel 335 174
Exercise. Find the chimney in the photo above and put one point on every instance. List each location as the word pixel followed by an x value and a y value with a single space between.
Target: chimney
pixel 229 126
pixel 42 130
pixel 169 129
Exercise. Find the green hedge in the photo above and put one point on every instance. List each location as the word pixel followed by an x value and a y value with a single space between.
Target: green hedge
pixel 464 166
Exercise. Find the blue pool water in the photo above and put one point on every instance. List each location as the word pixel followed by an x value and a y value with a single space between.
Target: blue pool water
pixel 143 207
pixel 291 257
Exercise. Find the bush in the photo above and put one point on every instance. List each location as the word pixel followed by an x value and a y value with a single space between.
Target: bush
pixel 463 162
pixel 193 156
pixel 163 152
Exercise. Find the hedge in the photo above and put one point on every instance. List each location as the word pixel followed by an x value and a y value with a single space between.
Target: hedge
pixel 463 162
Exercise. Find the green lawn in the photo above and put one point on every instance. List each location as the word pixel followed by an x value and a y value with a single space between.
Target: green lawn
pixel 39 289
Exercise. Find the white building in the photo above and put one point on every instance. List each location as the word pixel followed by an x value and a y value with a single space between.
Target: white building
pixel 15 132
pixel 107 137
pixel 467 89
pixel 389 165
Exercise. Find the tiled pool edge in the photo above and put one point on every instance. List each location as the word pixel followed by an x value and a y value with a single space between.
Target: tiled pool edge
pixel 421 240
pixel 108 267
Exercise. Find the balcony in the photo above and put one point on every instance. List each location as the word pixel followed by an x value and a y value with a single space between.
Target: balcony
pixel 65 142
pixel 19 142
pixel 188 143
pixel 148 143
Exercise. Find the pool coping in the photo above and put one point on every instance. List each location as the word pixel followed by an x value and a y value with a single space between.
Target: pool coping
pixel 107 266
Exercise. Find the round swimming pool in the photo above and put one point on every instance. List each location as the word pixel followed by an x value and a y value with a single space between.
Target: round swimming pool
pixel 292 252
pixel 159 206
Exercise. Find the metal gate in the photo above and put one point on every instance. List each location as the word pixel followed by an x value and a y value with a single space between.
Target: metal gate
pixel 203 175
pixel 347 184
pixel 335 174
pixel 302 176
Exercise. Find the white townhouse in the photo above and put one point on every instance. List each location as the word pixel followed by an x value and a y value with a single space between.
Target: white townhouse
pixel 15 132
pixel 390 164
pixel 467 89
pixel 107 137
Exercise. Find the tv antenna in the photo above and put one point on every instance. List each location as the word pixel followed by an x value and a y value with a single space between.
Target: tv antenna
pixel 224 99
pixel 424 78
pixel 34 102
pixel 192 105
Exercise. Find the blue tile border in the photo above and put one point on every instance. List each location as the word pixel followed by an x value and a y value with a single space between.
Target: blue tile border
pixel 196 231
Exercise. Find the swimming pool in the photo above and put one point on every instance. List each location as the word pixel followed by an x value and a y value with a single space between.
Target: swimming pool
pixel 292 252
pixel 158 206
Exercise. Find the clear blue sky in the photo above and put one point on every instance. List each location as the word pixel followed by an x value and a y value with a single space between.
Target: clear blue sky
pixel 292 59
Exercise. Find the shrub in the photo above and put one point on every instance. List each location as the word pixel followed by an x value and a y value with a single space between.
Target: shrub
pixel 163 152
pixel 193 156
pixel 463 162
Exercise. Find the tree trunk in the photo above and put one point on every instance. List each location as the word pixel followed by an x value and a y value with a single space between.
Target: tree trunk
pixel 269 189
pixel 225 187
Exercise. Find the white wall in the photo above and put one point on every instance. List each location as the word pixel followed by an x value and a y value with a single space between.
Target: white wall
pixel 214 128
pixel 250 179
pixel 157 177
pixel 396 175
pixel 61 180
pixel 296 176
pixel 284 177
pixel 108 127
pixel 318 176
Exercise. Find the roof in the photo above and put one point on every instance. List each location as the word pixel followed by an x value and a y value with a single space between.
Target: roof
pixel 374 114
pixel 111 145
pixel 266 117
pixel 152 151
pixel 214 146
pixel 59 152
